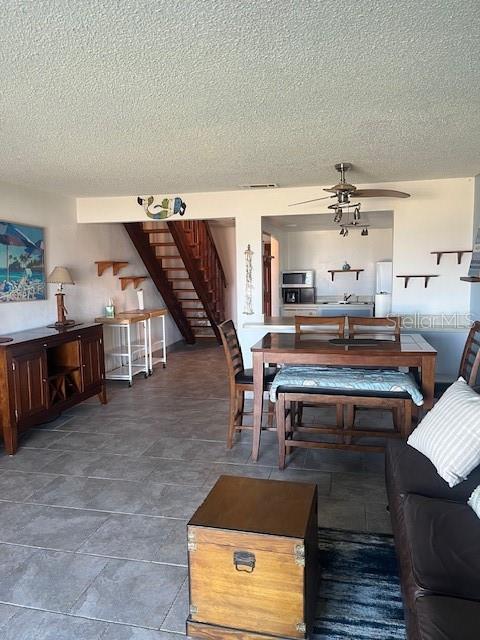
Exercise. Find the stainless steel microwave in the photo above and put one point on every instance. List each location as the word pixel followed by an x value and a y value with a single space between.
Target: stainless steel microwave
pixel 298 278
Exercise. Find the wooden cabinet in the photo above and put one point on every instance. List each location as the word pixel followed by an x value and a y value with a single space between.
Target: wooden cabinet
pixel 92 361
pixel 29 382
pixel 45 371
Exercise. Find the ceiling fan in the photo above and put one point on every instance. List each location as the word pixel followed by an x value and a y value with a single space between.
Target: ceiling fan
pixel 343 191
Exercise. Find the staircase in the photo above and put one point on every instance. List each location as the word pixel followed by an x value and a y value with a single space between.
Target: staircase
pixel 183 262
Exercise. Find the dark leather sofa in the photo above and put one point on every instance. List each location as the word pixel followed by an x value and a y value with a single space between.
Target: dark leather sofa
pixel 437 539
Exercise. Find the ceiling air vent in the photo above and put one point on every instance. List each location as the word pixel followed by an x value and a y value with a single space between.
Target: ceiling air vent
pixel 266 185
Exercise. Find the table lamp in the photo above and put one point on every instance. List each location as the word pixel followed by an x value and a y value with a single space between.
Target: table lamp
pixel 61 276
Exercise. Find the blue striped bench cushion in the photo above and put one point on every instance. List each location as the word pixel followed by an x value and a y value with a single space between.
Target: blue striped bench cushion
pixel 349 380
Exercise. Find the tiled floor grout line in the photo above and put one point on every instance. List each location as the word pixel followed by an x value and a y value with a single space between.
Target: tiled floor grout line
pixel 72 615
pixel 172 605
pixel 120 513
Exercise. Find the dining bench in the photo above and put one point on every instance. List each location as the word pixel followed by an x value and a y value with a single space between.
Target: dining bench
pixel 349 388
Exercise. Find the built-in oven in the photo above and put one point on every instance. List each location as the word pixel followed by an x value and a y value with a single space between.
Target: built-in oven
pixel 298 295
pixel 298 278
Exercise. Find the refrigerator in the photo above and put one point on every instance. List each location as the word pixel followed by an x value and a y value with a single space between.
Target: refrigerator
pixel 383 288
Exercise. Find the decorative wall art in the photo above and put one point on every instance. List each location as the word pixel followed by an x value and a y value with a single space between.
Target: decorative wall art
pixel 168 207
pixel 22 263
pixel 248 309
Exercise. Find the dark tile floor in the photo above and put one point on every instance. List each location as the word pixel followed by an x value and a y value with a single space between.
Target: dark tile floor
pixel 93 506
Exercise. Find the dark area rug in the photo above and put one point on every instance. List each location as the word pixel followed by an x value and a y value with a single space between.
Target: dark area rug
pixel 359 595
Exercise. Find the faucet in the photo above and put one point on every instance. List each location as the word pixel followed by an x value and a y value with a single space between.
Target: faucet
pixel 346 298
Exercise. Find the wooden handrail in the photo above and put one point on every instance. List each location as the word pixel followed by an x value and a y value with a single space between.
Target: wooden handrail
pixel 197 249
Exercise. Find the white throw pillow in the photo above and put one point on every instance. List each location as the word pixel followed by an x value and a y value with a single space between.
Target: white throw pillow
pixel 449 435
pixel 474 501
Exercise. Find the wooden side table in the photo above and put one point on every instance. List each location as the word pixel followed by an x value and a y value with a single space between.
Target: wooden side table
pixel 252 557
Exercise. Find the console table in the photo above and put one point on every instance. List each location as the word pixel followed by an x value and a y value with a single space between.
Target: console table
pixel 45 371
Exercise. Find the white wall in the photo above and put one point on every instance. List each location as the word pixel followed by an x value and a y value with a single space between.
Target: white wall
pixel 439 215
pixel 324 250
pixel 475 287
pixel 224 238
pixel 77 247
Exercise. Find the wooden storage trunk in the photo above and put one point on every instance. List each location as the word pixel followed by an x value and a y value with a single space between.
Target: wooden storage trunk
pixel 252 557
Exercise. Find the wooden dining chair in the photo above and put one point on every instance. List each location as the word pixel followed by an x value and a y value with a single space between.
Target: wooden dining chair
pixel 334 325
pixel 241 381
pixel 365 325
pixel 469 363
pixel 325 324
pixel 360 324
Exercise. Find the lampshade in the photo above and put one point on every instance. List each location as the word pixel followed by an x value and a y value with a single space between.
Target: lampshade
pixel 60 275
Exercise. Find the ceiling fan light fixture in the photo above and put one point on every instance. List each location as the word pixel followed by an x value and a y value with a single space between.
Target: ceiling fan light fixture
pixel 364 231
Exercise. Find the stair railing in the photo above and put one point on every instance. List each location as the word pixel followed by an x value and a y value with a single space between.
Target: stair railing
pixel 197 249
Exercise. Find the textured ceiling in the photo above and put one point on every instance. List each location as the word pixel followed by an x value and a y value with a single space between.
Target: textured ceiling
pixel 164 96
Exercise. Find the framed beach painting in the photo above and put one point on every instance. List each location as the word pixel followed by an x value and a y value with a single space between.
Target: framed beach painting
pixel 22 263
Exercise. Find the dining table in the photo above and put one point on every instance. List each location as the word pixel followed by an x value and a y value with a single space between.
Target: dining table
pixel 364 350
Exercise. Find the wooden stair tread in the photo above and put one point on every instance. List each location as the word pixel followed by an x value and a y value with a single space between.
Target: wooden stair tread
pixel 195 293
pixel 162 244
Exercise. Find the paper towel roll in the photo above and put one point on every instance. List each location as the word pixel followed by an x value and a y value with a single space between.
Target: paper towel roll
pixel 141 304
pixel 383 304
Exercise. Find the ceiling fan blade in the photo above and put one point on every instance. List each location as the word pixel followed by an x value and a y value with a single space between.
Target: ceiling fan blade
pixel 380 193
pixel 294 204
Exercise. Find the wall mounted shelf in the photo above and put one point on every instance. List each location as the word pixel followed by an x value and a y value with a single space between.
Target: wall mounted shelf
pixel 425 276
pixel 135 280
pixel 459 253
pixel 470 279
pixel 103 265
pixel 332 272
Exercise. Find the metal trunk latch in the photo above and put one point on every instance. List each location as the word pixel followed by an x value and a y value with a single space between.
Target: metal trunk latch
pixel 301 627
pixel 193 609
pixel 244 561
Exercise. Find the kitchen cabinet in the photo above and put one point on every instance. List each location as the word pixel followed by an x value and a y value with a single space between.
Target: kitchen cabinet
pixel 296 310
pixel 329 309
pixel 45 371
